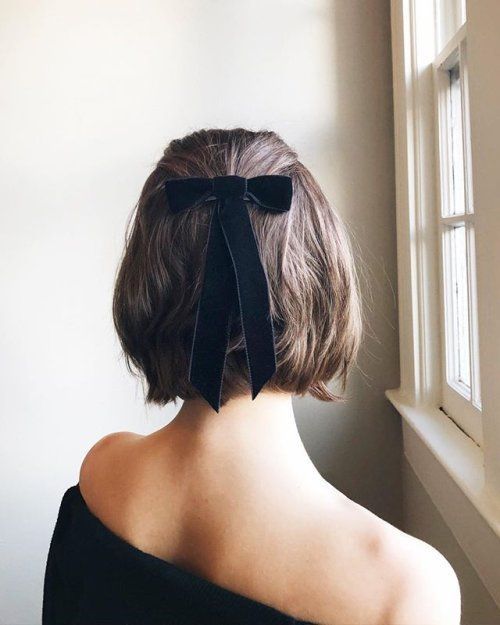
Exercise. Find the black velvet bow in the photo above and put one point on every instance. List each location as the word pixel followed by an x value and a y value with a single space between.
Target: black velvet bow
pixel 234 276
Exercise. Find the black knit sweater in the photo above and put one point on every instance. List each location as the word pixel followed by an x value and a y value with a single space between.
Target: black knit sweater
pixel 93 577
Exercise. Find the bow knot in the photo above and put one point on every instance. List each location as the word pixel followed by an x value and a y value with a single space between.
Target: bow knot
pixel 234 278
pixel 229 187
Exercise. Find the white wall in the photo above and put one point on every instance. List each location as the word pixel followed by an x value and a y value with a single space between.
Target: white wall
pixel 422 519
pixel 91 93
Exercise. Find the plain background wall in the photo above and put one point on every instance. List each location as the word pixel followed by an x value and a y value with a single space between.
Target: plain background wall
pixel 422 519
pixel 91 93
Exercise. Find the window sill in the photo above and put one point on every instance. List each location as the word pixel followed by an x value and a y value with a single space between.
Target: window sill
pixel 451 468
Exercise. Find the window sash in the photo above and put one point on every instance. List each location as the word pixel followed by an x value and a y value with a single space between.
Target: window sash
pixel 460 401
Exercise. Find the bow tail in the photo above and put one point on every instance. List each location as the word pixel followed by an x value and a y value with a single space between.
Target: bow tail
pixel 252 289
pixel 213 318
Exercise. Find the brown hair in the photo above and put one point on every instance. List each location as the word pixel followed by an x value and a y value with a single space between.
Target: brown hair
pixel 305 253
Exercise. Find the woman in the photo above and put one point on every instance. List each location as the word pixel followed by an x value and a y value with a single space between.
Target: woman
pixel 220 516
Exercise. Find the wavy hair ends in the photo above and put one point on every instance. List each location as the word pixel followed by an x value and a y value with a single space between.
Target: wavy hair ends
pixel 305 253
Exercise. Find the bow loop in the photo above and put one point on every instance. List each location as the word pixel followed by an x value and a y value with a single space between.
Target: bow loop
pixel 271 192
pixel 183 193
pixel 234 278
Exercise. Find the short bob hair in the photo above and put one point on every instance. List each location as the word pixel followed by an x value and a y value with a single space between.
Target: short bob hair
pixel 305 254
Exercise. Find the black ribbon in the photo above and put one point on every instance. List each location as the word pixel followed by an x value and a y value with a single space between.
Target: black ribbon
pixel 234 275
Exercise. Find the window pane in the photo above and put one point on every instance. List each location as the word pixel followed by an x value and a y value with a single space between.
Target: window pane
pixel 450 16
pixel 456 130
pixel 461 306
pixel 458 322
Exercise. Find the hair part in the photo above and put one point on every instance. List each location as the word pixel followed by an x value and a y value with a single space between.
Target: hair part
pixel 305 253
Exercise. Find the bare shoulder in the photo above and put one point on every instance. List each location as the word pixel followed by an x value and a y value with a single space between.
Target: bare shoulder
pixel 373 573
pixel 426 589
pixel 105 461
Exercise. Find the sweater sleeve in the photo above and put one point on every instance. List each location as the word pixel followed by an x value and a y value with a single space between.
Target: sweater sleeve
pixel 58 599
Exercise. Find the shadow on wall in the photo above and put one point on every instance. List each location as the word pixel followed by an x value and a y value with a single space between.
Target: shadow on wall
pixel 357 445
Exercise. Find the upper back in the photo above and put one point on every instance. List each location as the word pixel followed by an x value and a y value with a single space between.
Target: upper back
pixel 306 551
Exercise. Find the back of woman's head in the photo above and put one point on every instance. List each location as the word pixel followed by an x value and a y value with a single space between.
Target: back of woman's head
pixel 305 254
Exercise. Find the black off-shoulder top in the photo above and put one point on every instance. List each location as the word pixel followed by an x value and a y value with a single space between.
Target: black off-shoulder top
pixel 94 577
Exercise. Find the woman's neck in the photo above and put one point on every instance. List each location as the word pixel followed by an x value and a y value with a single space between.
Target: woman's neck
pixel 263 429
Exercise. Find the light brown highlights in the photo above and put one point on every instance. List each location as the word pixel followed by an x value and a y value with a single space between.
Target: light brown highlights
pixel 305 253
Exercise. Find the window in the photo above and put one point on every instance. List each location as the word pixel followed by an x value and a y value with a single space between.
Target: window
pixel 447 175
pixel 461 398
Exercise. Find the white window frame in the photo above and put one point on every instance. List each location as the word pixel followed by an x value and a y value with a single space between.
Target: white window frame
pixel 459 403
pixel 458 464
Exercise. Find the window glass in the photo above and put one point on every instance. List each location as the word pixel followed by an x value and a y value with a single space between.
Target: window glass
pixel 459 313
pixel 457 173
pixel 450 15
